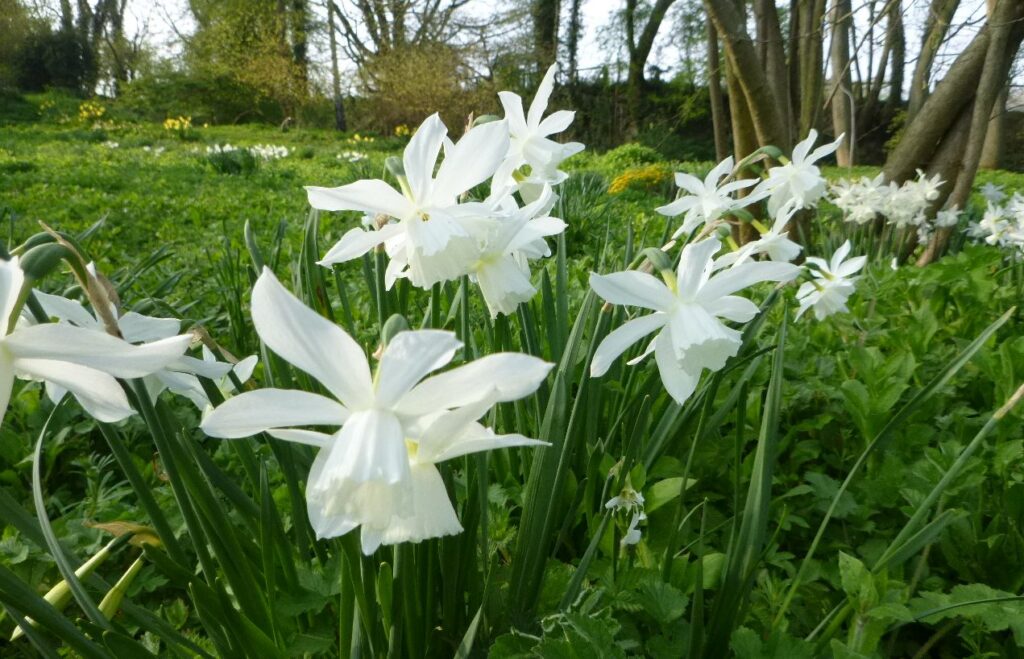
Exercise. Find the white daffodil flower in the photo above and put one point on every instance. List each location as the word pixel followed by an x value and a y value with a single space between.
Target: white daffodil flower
pixel 774 242
pixel 188 385
pixel 799 181
pixel 75 359
pixel 631 502
pixel 993 193
pixel 530 142
pixel 687 311
pixel 427 210
pixel 704 201
pixel 503 270
pixel 833 283
pixel 948 217
pixel 861 201
pixel 377 470
pixel 178 376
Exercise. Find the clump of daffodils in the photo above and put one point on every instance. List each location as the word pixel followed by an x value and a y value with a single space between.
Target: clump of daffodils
pixel 89 111
pixel 180 126
pixel 697 313
pixel 1001 224
pixel 431 228
pixel 866 199
pixel 267 152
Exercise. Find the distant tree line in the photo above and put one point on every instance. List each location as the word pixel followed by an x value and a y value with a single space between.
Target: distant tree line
pixel 749 72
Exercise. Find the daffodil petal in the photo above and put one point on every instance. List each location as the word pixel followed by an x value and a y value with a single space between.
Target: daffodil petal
pixel 253 412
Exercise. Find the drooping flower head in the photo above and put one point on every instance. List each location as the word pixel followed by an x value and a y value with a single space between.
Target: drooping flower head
pixel 76 359
pixel 688 309
pixel 705 201
pixel 799 181
pixel 427 213
pixel 832 283
pixel 376 471
pixel 530 141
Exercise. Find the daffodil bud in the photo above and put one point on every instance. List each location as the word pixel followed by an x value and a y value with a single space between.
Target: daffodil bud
pixel 112 600
pixel 395 324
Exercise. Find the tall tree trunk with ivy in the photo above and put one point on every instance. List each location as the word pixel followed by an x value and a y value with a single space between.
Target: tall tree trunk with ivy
pixel 545 32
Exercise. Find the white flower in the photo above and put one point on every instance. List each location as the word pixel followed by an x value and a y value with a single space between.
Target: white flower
pixel 188 385
pixel 774 242
pixel 351 156
pixel 438 247
pixel 110 144
pixel 178 375
pixel 377 471
pixel 948 217
pixel 530 142
pixel 832 285
pixel 706 202
pixel 503 270
pixel 269 152
pixel 799 181
pixel 924 233
pixel 630 502
pixel 862 200
pixel 79 360
pixel 687 310
pixel 907 205
pixel 992 193
pixel 994 226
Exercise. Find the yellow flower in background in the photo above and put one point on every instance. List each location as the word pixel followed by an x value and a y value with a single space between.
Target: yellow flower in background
pixel 401 130
pixel 178 124
pixel 90 111
pixel 642 178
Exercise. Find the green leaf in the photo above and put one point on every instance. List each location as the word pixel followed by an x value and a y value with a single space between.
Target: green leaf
pixel 857 581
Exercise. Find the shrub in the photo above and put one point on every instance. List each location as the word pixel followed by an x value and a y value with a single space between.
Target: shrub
pixel 407 85
pixel 647 178
pixel 630 155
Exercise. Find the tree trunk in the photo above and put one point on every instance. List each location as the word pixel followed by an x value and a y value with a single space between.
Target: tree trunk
pixel 639 51
pixel 545 33
pixel 773 59
pixel 573 42
pixel 339 105
pixel 841 95
pixel 715 94
pixel 299 18
pixel 922 136
pixel 935 29
pixel 899 60
pixel 762 106
pixel 812 13
pixel 992 152
pixel 1006 27
pixel 868 116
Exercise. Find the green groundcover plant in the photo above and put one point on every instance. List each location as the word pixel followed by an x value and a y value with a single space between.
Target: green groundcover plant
pixel 453 432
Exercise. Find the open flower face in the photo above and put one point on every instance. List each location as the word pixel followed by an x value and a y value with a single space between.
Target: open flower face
pixel 705 201
pixel 81 360
pixel 832 283
pixel 799 181
pixel 506 248
pixel 688 309
pixel 376 470
pixel 530 142
pixel 427 211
